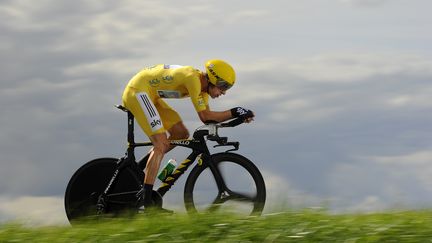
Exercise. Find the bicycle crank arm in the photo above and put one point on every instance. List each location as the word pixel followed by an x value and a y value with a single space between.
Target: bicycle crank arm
pixel 101 205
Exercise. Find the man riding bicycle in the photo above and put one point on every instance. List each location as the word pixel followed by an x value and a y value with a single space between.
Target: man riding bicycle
pixel 144 94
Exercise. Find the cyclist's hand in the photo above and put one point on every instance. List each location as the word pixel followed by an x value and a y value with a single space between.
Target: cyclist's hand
pixel 248 120
pixel 245 114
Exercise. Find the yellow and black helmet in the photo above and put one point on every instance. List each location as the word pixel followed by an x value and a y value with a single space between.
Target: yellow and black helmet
pixel 220 73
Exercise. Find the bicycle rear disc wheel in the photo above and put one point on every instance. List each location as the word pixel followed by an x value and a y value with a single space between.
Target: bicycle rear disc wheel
pixel 89 182
pixel 245 192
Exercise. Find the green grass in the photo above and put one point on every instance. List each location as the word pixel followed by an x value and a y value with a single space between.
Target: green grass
pixel 299 226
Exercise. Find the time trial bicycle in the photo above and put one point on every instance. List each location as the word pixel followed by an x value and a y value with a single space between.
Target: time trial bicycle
pixel 219 181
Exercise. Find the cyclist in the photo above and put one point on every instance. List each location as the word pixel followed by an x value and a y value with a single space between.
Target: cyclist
pixel 144 95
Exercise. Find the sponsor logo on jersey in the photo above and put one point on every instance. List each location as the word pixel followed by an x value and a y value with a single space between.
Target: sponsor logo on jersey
pixel 201 102
pixel 167 66
pixel 155 123
pixel 169 94
pixel 168 79
pixel 154 82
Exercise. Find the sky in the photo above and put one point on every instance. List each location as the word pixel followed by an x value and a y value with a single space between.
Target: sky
pixel 341 90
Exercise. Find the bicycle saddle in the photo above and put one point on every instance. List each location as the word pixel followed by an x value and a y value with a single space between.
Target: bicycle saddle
pixel 121 108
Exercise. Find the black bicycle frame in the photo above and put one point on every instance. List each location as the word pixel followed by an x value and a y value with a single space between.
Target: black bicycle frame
pixel 197 144
pixel 199 147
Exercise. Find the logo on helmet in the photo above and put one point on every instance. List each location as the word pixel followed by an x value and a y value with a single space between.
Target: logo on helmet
pixel 214 73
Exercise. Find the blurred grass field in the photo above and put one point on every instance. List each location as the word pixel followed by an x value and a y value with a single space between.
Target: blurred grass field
pixel 295 226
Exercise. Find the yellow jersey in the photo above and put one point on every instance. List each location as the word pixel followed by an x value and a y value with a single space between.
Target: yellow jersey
pixel 171 81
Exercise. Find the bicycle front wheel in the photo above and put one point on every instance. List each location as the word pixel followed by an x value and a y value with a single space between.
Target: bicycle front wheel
pixel 240 188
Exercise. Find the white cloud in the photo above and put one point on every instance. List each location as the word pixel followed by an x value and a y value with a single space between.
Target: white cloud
pixel 356 67
pixel 416 158
pixel 368 204
pixel 116 67
pixel 247 15
pixel 419 98
pixel 374 183
pixel 367 3
pixel 132 27
pixel 323 87
pixel 417 164
pixel 33 211
pixel 281 195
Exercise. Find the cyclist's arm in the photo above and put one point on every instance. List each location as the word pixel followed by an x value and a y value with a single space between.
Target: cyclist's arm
pixel 218 116
pixel 200 102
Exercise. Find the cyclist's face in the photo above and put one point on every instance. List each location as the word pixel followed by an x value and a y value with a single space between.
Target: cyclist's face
pixel 215 92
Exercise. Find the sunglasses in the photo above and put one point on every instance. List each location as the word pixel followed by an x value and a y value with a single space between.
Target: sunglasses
pixel 223 85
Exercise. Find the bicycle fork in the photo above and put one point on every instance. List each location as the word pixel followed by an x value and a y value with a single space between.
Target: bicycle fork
pixel 223 191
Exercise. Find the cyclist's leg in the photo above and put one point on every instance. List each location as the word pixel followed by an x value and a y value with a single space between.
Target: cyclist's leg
pixel 142 107
pixel 160 146
pixel 172 122
pixel 177 131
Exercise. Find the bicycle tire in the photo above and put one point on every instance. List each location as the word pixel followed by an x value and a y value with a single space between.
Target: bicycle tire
pixel 90 180
pixel 190 190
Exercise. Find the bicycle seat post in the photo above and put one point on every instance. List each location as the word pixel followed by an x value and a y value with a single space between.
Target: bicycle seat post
pixel 131 137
